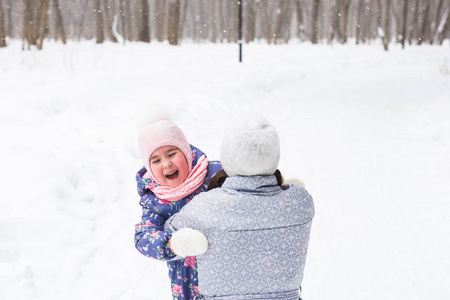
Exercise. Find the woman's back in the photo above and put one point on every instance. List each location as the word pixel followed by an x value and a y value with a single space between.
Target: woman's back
pixel 258 236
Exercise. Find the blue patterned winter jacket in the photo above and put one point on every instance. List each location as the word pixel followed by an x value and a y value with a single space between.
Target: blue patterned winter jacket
pixel 258 235
pixel 151 240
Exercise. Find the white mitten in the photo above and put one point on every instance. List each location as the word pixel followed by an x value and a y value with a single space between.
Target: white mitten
pixel 188 242
pixel 294 181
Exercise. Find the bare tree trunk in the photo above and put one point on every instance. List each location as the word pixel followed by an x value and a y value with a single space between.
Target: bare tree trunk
pixel 397 17
pixel 193 23
pixel 10 32
pixel 28 25
pixel 174 19
pixel 424 29
pixel 43 23
pixel 413 27
pixel 99 22
pixel 337 20
pixel 128 21
pixel 300 20
pixel 436 22
pixel 160 20
pixel 358 20
pixel 144 22
pixel 212 22
pixel 59 21
pixel 83 18
pixel 335 30
pixel 345 16
pixel 315 22
pixel 109 18
pixel 445 27
pixel 370 17
pixel 204 30
pixel 387 28
pixel 281 17
pixel 37 19
pixel 405 17
pixel 268 29
pixel 123 21
pixel 250 21
pixel 382 30
pixel 233 20
pixel 183 19
pixel 2 27
pixel 287 24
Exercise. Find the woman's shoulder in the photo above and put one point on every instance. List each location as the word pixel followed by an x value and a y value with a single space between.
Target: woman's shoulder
pixel 297 188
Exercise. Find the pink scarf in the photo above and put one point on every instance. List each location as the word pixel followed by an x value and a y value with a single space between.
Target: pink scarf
pixel 191 184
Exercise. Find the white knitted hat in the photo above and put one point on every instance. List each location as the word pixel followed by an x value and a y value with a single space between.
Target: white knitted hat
pixel 250 147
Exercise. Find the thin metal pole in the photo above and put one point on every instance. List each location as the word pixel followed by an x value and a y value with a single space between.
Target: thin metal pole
pixel 240 29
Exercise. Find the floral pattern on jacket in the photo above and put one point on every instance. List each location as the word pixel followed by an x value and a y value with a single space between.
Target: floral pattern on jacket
pixel 152 241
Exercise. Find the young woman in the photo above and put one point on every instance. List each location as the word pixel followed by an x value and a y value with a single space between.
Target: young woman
pixel 257 228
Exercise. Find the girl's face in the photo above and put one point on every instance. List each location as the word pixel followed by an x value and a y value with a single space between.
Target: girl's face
pixel 169 166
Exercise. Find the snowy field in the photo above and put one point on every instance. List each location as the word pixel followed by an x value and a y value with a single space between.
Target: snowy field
pixel 367 131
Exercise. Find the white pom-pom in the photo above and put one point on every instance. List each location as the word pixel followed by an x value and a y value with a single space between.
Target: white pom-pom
pixel 152 112
pixel 188 242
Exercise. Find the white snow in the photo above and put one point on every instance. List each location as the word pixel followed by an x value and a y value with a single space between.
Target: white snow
pixel 368 132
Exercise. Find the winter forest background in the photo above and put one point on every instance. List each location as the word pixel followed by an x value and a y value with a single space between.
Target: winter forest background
pixel 274 21
pixel 366 130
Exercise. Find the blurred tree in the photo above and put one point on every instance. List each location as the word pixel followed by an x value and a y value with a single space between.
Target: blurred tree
pixel 109 16
pixel 99 22
pixel 414 22
pixel 160 16
pixel 345 17
pixel 267 20
pixel 444 27
pixel 281 15
pixel 59 21
pixel 393 21
pixel 250 21
pixel 183 17
pixel 405 19
pixel 174 20
pixel 2 26
pixel 233 21
pixel 28 25
pixel 143 21
pixel 315 22
pixel 213 23
pixel 359 24
pixel 42 22
pixel 423 36
pixel 435 24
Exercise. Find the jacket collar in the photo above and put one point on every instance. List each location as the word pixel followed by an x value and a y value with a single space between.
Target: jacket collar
pixel 263 184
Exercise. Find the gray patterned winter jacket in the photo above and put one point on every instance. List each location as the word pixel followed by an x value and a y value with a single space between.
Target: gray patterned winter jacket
pixel 258 236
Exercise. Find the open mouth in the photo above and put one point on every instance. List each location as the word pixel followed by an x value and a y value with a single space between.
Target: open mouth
pixel 172 175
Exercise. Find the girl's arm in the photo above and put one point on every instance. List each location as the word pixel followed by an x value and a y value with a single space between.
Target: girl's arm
pixel 149 237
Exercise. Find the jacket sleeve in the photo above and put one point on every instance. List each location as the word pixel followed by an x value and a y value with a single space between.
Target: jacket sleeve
pixel 149 237
pixel 185 218
pixel 178 221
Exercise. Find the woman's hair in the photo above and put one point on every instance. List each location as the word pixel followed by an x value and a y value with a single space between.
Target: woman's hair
pixel 219 178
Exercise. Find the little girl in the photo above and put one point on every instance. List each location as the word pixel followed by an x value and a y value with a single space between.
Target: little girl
pixel 173 173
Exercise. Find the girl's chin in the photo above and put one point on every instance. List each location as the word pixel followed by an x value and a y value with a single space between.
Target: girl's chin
pixel 173 182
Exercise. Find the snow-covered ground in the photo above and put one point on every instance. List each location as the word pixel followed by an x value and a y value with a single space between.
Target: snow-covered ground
pixel 368 132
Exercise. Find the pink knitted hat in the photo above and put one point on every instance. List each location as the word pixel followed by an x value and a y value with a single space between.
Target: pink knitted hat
pixel 162 133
